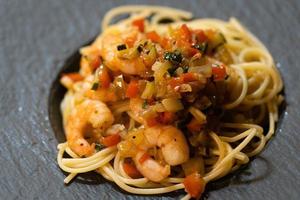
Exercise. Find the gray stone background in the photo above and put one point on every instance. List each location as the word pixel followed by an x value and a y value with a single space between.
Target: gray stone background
pixel 36 36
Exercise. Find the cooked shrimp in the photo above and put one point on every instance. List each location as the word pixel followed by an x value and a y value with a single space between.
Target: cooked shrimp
pixel 85 125
pixel 172 142
pixel 151 169
pixel 173 146
pixel 102 94
pixel 136 109
pixel 109 53
pixel 90 60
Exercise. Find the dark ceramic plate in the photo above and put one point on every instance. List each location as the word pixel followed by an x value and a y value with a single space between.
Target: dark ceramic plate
pixel 39 38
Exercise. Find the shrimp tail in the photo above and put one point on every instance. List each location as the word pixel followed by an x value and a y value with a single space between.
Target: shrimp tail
pixel 151 169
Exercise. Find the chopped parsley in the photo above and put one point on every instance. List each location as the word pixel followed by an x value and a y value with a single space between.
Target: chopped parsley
pixel 185 69
pixel 121 47
pixel 172 71
pixel 99 147
pixel 95 86
pixel 201 47
pixel 174 57
pixel 145 104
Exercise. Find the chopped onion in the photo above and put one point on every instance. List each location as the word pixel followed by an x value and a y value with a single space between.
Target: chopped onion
pixel 185 88
pixel 158 107
pixel 149 90
pixel 150 57
pixel 179 71
pixel 172 105
pixel 205 70
pixel 156 65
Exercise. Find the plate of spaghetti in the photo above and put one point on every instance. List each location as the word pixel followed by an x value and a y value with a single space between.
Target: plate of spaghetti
pixel 165 102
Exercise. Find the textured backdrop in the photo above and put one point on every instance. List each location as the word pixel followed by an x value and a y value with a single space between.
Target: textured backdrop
pixel 36 37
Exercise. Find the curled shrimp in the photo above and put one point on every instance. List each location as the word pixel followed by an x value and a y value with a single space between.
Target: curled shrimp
pixel 151 169
pixel 136 109
pixel 110 54
pixel 85 125
pixel 173 146
pixel 172 142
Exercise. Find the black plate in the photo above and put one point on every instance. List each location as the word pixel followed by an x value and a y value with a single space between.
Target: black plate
pixel 38 37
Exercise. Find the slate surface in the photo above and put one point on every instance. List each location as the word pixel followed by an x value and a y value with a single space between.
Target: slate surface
pixel 36 37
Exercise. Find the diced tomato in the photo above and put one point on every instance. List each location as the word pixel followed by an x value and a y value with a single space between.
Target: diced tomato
pixel 95 62
pixel 132 89
pixel 153 36
pixel 111 140
pixel 144 157
pixel 165 43
pixel 185 33
pixel 140 24
pixel 152 121
pixel 219 72
pixel 111 96
pixel 194 126
pixel 188 77
pixel 191 51
pixel 184 78
pixel 131 170
pixel 174 82
pixel 104 78
pixel 186 48
pixel 130 41
pixel 167 117
pixel 200 35
pixel 75 77
pixel 194 185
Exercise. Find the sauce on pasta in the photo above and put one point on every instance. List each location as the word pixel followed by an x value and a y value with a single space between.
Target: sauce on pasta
pixel 161 107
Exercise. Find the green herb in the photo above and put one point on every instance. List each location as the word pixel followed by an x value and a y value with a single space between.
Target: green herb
pixel 145 104
pixel 174 57
pixel 95 86
pixel 121 47
pixel 99 147
pixel 185 69
pixel 201 47
pixel 172 71
pixel 140 48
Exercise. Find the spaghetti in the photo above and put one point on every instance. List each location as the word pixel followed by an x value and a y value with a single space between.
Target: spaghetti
pixel 158 107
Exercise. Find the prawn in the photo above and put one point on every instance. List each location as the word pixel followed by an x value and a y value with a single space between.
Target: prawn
pixel 136 109
pixel 109 52
pixel 173 146
pixel 85 125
